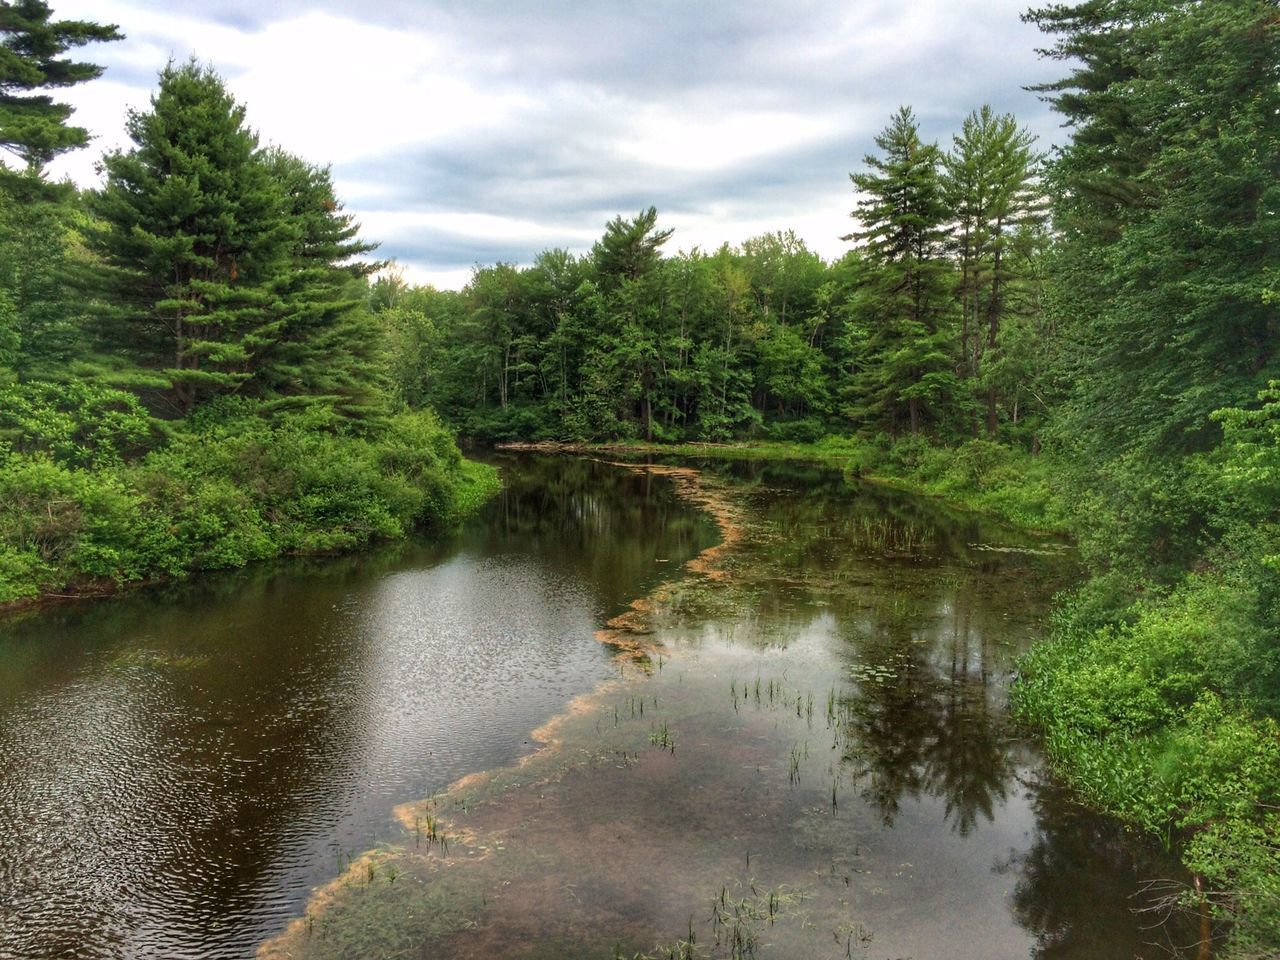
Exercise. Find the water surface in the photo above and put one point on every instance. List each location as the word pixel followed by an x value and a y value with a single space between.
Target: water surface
pixel 815 759
pixel 179 767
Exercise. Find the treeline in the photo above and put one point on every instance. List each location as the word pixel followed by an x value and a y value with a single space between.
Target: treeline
pixel 190 375
pixel 199 366
pixel 933 323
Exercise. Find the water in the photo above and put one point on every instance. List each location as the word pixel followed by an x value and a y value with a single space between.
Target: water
pixel 179 768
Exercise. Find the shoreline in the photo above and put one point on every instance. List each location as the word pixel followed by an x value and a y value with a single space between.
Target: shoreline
pixel 777 452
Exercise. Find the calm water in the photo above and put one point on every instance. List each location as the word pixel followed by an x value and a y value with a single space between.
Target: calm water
pixel 824 746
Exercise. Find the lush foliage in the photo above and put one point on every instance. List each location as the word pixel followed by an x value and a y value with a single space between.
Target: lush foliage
pixel 764 340
pixel 229 486
pixel 197 369
pixel 190 377
pixel 1160 689
pixel 33 127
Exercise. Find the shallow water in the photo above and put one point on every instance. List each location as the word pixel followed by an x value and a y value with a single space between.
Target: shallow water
pixel 179 767
pixel 814 759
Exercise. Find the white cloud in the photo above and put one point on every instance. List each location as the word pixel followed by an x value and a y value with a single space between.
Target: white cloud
pixel 464 132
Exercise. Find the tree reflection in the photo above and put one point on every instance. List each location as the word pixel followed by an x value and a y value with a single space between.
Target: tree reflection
pixel 1075 884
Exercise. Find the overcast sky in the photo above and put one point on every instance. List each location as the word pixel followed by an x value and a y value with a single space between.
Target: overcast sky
pixel 465 131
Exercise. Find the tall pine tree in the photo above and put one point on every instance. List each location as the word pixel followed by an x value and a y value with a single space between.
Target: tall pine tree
pixel 33 127
pixel 992 190
pixel 1168 199
pixel 234 268
pixel 904 364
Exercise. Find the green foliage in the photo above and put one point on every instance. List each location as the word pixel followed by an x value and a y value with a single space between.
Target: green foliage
pixel 231 486
pixel 194 229
pixel 32 126
pixel 991 181
pixel 232 267
pixel 903 361
pixel 1154 721
pixel 1167 198
pixel 75 424
pixel 42 276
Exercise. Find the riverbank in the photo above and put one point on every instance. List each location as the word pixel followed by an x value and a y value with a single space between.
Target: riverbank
pixel 222 492
pixel 807 730
pixel 980 475
pixel 1156 701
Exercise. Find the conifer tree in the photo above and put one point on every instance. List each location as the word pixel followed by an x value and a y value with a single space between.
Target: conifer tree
pixel 198 237
pixel 329 348
pixel 33 127
pixel 1169 209
pixel 236 269
pixel 904 363
pixel 992 191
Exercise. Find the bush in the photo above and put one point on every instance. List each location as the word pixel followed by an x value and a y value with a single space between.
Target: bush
pixel 1154 720
pixel 230 487
pixel 75 424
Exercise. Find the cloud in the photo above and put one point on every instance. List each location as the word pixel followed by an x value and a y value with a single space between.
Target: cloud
pixel 463 131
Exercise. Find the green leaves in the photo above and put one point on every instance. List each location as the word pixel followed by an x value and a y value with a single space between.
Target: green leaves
pixel 235 268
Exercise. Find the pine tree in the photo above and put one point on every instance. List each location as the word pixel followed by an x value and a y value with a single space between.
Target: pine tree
pixel 1168 203
pixel 33 127
pixel 992 190
pixel 905 361
pixel 627 259
pixel 329 348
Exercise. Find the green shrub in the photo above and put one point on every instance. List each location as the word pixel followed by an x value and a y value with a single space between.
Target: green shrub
pixel 235 483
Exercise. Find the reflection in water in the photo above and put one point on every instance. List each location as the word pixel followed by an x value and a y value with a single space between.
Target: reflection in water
pixel 819 764
pixel 179 767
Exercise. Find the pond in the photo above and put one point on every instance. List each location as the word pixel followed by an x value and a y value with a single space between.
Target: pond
pixel 793 741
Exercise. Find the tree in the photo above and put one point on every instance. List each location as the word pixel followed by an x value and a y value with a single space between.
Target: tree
pixel 196 231
pixel 905 359
pixel 992 189
pixel 626 260
pixel 33 127
pixel 629 248
pixel 1168 202
pixel 234 269
pixel 329 348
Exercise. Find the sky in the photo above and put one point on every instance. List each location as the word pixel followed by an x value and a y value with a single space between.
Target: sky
pixel 468 132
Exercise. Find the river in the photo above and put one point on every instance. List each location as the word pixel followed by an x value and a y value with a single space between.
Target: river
pixel 794 743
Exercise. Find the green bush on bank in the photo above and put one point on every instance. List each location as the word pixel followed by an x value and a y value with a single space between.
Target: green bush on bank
pixel 1163 710
pixel 1156 721
pixel 981 474
pixel 226 488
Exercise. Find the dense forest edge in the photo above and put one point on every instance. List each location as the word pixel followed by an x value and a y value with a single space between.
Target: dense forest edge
pixel 201 366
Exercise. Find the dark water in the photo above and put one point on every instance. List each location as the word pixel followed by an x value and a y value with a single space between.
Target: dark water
pixel 179 767
pixel 828 739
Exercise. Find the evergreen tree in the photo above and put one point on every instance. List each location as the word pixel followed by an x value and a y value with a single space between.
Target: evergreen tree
pixel 629 249
pixel 33 127
pixel 235 268
pixel 1168 202
pixel 329 348
pixel 42 273
pixel 626 260
pixel 198 236
pixel 992 191
pixel 905 361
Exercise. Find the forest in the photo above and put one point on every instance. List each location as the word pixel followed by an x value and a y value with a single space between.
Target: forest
pixel 202 365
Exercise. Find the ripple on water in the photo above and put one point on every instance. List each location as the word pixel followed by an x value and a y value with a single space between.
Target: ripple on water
pixel 179 768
